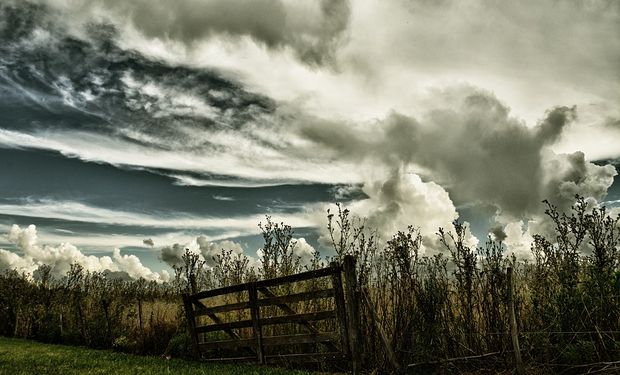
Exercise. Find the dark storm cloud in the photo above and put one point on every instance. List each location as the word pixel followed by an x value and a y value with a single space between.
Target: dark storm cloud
pixel 571 174
pixel 483 154
pixel 313 34
pixel 472 146
pixel 498 233
pixel 172 255
pixel 613 123
pixel 117 275
pixel 59 80
pixel 52 81
pixel 550 129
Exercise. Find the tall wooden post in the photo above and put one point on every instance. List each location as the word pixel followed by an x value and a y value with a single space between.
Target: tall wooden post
pixel 191 323
pixel 353 313
pixel 514 331
pixel 61 333
pixel 142 339
pixel 256 327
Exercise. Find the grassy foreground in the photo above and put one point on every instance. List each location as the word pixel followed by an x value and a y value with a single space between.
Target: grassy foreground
pixel 27 357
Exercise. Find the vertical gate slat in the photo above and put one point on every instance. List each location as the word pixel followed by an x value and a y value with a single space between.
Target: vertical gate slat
pixel 353 313
pixel 256 327
pixel 340 309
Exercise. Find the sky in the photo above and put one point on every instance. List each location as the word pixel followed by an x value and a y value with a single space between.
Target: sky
pixel 130 131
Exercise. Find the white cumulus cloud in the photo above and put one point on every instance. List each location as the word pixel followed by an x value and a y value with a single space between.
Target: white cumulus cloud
pixel 62 256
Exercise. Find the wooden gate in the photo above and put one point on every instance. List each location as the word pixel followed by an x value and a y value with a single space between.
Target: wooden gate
pixel 270 321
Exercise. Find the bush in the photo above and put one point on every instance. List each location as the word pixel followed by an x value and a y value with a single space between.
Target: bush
pixel 124 344
pixel 180 346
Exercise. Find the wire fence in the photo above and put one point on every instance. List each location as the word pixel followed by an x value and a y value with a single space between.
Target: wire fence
pixel 542 332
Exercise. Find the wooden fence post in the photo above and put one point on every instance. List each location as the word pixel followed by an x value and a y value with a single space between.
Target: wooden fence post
pixel 142 338
pixel 191 323
pixel 514 331
pixel 353 313
pixel 16 330
pixel 106 304
pixel 256 327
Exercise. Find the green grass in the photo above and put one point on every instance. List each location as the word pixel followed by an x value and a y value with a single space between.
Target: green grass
pixel 28 357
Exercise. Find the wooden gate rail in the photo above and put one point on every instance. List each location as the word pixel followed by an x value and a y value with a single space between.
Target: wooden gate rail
pixel 296 318
pixel 267 283
pixel 338 345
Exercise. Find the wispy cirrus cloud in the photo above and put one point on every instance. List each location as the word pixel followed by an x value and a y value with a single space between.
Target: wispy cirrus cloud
pixel 75 211
pixel 232 154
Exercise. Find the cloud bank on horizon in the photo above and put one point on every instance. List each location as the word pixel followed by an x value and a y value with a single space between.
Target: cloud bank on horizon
pixel 411 112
